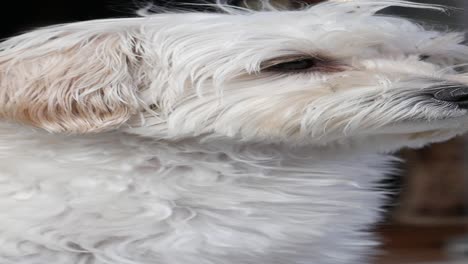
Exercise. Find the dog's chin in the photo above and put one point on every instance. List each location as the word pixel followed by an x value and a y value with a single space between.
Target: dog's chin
pixel 419 133
pixel 455 122
pixel 412 133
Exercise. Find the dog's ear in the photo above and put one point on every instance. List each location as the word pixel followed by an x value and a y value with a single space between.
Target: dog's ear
pixel 67 79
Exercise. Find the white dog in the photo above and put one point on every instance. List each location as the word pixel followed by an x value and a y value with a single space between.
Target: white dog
pixel 240 137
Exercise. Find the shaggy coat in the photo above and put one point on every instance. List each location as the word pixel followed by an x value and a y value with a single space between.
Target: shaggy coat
pixel 239 137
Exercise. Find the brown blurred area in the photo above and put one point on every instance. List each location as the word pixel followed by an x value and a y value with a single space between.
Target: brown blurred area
pixel 405 243
pixel 435 185
pixel 429 223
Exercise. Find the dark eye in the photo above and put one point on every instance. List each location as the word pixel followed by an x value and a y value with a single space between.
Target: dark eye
pixel 302 64
pixel 424 57
pixel 296 65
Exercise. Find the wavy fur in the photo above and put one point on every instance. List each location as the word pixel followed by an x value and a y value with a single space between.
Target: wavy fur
pixel 165 139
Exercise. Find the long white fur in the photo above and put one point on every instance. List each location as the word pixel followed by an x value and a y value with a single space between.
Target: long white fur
pixel 161 139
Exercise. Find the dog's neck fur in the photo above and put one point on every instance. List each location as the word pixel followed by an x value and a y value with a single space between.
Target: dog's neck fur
pixel 289 204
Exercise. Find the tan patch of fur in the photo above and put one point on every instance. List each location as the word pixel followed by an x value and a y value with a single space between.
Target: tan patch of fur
pixel 75 89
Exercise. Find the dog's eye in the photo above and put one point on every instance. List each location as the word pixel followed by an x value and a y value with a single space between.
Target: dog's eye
pixel 301 64
pixel 424 57
pixel 297 65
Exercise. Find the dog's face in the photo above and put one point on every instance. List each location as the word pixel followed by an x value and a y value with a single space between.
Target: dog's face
pixel 331 73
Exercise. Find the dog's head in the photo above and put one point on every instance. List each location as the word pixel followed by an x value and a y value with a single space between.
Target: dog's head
pixel 332 72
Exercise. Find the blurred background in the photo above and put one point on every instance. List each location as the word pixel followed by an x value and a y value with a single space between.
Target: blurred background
pixel 427 220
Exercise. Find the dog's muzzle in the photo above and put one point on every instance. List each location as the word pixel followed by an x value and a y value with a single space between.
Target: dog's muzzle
pixel 457 95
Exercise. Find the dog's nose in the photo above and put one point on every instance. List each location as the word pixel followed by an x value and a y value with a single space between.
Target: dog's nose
pixel 457 95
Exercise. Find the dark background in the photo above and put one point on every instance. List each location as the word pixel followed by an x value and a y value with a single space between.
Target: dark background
pixel 23 15
pixel 19 16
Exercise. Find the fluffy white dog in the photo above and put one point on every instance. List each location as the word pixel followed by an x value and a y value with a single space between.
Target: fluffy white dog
pixel 239 137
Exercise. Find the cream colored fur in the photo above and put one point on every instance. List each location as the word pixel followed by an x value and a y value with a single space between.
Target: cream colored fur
pixel 172 139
